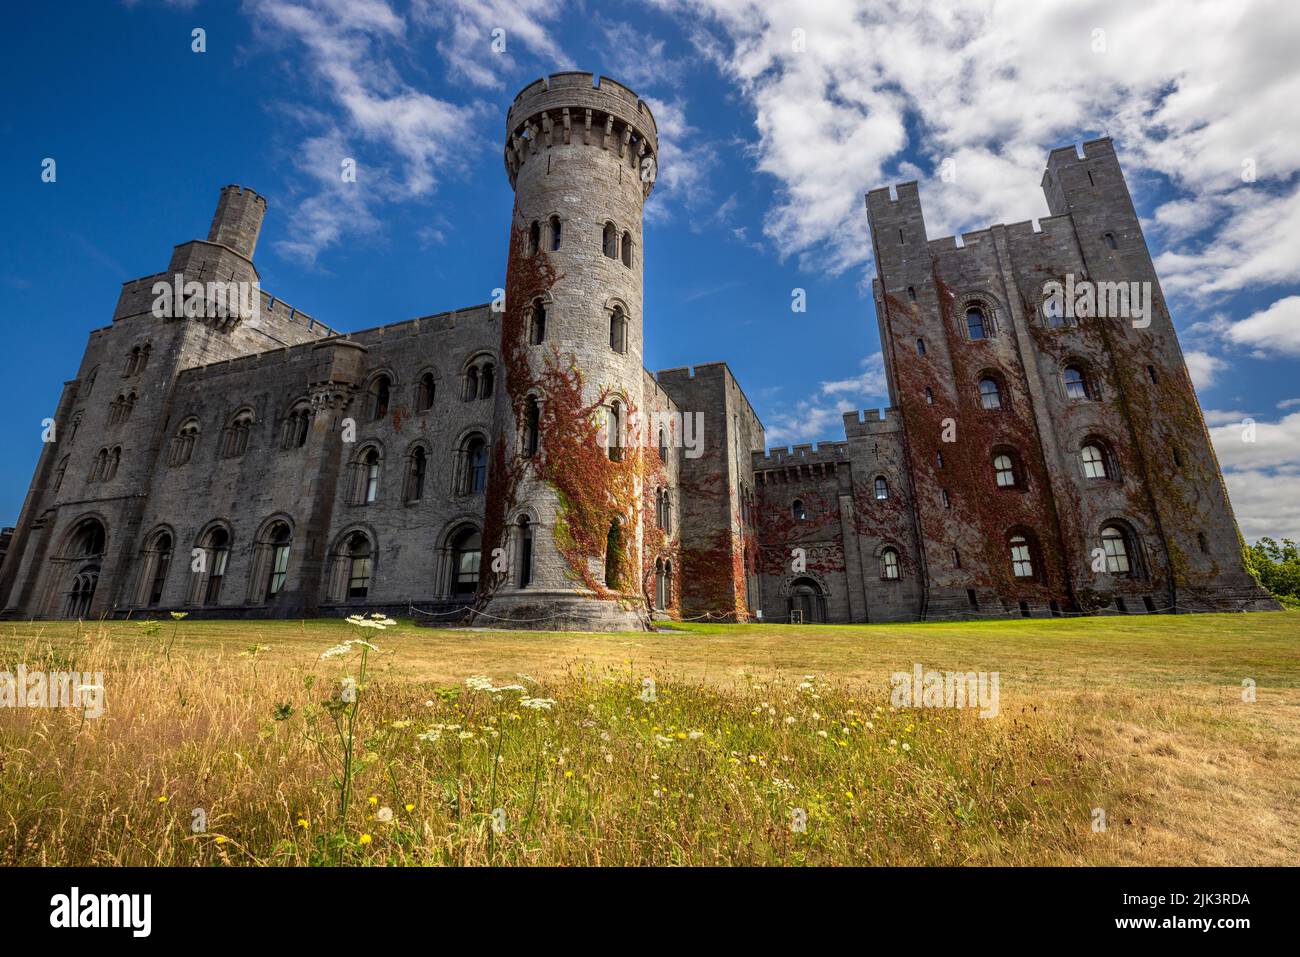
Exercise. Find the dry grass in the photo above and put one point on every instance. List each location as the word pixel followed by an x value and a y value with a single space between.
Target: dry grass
pixel 1140 716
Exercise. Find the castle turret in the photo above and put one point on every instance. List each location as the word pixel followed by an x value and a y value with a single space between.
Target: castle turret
pixel 564 509
pixel 238 220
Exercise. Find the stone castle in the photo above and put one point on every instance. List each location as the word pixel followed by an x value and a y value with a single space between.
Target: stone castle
pixel 515 463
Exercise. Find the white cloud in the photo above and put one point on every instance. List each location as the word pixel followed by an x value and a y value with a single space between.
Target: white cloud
pixel 684 159
pixel 465 36
pixel 823 412
pixel 1270 331
pixel 1261 466
pixel 1203 367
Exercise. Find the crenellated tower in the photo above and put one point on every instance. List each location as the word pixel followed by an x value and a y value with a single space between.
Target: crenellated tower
pixel 562 516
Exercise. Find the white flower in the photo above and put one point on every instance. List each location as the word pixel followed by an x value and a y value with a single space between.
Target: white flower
pixel 537 704
pixel 337 651
pixel 906 746
pixel 821 734
pixel 695 735
pixel 384 815
pixel 790 719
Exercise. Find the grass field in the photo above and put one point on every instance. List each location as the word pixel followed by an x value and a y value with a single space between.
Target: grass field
pixel 762 744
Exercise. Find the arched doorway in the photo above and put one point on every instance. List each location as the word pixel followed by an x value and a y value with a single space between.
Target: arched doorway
pixel 84 551
pixel 806 602
pixel 466 551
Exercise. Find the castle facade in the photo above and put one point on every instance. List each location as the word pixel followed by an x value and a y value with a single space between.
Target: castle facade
pixel 222 453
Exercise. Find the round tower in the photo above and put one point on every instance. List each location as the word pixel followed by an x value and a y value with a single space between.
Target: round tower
pixel 562 527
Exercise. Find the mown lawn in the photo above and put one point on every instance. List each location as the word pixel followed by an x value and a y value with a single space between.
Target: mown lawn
pixel 762 744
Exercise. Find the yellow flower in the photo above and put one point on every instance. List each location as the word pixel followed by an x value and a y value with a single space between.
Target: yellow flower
pixel 364 839
pixel 304 823
pixel 162 799
pixel 373 800
pixel 221 839
pixel 568 774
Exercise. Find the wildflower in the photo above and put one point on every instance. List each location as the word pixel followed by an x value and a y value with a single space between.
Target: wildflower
pixel 696 735
pixel 537 704
pixel 409 807
pixel 178 615
pixel 304 823
pixel 906 746
pixel 364 839
pixel 568 774
pixel 221 839
pixel 821 734
pixel 384 815
pixel 162 799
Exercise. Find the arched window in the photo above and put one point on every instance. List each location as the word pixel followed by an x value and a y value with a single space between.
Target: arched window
pixel 534 238
pixel 369 476
pixel 661 597
pixel 235 442
pixel 614 556
pixel 525 552
pixel 128 406
pixel 881 488
pixel 889 567
pixel 486 381
pixel 60 472
pixel 1022 562
pixel 618 330
pixel 1076 383
pixel 380 391
pixel 1004 470
pixel 212 570
pixel 929 395
pixel 360 565
pixel 609 241
pixel 1095 465
pixel 661 508
pixel 417 466
pixel 990 394
pixel 920 347
pixel 183 444
pixel 98 466
pixel 281 539
pixel 798 511
pixel 537 328
pixel 663 446
pixel 627 249
pixel 1110 241
pixel 1115 544
pixel 76 425
pixel 976 323
pixel 555 233
pixel 144 358
pixel 471 384
pixel 532 426
pixel 424 392
pixel 114 460
pixel 132 358
pixel 84 550
pixel 466 552
pixel 474 456
pixel 911 294
pixel 90 380
pixel 297 425
pixel 614 431
pixel 1053 309
pixel 158 559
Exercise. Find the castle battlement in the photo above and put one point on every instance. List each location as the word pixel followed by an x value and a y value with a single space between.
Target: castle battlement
pixel 872 422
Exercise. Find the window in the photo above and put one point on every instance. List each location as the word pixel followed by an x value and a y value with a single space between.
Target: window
pixel 217 553
pixel 1151 373
pixel 1053 309
pixel 474 455
pixel 555 233
pixel 609 241
pixel 1201 543
pixel 1115 545
pixel 956 558
pixel 614 556
pixel 158 561
pixel 60 472
pixel 661 508
pixel 1022 563
pixel 627 250
pixel 1110 241
pixel 911 293
pixel 471 384
pixel 1076 383
pixel 889 569
pixel 976 325
pixel 618 330
pixel 236 437
pixel 90 380
pixel 369 468
pixel 1004 470
pixel 424 392
pixel 534 238
pixel 296 426
pixel 1094 462
pixel 76 425
pixel 663 446
pixel 929 395
pixel 881 488
pixel 990 394
pixel 466 551
pixel 417 466
pixel 943 496
pixel 614 431
pixel 105 465
pixel 380 392
pixel 798 510
pixel 360 565
pixel 920 347
pixel 525 552
pixel 183 444
pixel 537 328
pixel 532 426
pixel 486 381
pixel 661 582
pixel 281 538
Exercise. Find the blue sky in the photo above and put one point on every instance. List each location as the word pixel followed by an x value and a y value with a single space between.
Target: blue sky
pixel 774 117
